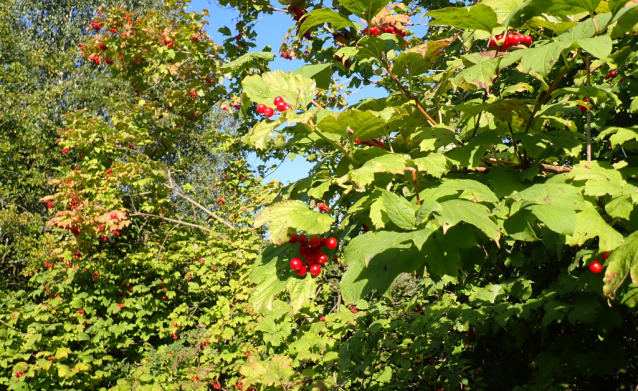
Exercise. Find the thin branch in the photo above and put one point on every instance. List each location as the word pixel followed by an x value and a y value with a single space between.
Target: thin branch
pixel 173 221
pixel 416 187
pixel 211 214
pixel 588 111
pixel 409 95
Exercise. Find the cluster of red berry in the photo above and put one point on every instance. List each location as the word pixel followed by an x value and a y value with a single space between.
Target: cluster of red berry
pixel 113 30
pixel 167 43
pixel 310 250
pixel 612 75
pixel 323 207
pixel 216 385
pixel 297 12
pixel 95 26
pixel 582 108
pixel 353 309
pixel 388 28
pixel 19 373
pixel 503 43
pixel 286 55
pixel 101 46
pixel 80 312
pixel 94 58
pixel 269 111
pixel 49 204
pixel 595 266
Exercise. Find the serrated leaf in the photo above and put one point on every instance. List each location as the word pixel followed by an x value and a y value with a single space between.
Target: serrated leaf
pixel 292 214
pixel 477 17
pixel 435 164
pixel 263 89
pixel 424 212
pixel 622 262
pixel 599 47
pixel 365 9
pixel 539 61
pixel 454 211
pixel 301 290
pixel 364 125
pixel 260 135
pixel 481 75
pixel 321 16
pixel 589 225
pixel 401 211
pixel 391 163
pixel 557 218
pixel 257 60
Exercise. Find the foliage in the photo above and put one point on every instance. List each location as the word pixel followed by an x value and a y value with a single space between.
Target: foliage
pixel 467 205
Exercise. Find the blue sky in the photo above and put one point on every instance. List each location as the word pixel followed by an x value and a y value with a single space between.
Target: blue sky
pixel 270 31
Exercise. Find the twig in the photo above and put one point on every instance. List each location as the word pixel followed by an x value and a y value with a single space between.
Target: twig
pixel 7 324
pixel 409 95
pixel 589 111
pixel 416 187
pixel 173 221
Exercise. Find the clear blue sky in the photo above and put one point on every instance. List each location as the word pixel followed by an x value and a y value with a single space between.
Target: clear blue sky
pixel 270 31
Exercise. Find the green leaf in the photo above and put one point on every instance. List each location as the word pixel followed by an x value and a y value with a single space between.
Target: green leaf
pixel 320 73
pixel 477 17
pixel 292 214
pixel 619 135
pixel 364 125
pixel 435 164
pixel 321 16
pixel 401 211
pixel 301 290
pixel 365 9
pixel 481 75
pixel 622 262
pixel 565 7
pixel 263 89
pixel 598 46
pixel 257 60
pixel 382 270
pixel 260 135
pixel 539 61
pixel 409 65
pixel 454 211
pixel 424 212
pixel 365 247
pixel 589 225
pixel 391 163
pixel 557 218
pixel 616 5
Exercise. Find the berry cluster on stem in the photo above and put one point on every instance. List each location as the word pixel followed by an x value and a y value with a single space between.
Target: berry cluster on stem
pixel 310 251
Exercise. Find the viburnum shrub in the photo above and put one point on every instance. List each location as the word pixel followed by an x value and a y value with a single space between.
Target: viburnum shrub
pixel 485 242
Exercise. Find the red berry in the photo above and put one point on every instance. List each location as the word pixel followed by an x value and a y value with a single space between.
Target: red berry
pixel 605 255
pixel 315 242
pixel 278 100
pixel 331 243
pixel 65 150
pixel 491 43
pixel 322 258
pixel 315 270
pixel 529 40
pixel 261 108
pixel 302 239
pixel 323 318
pixel 613 73
pixel 268 112
pixel 304 250
pixel 296 264
pixel 607 77
pixel 510 40
pixel 582 108
pixel 288 107
pixel 302 271
pixel 281 106
pixel 595 267
pixel 293 239
pixel 374 31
